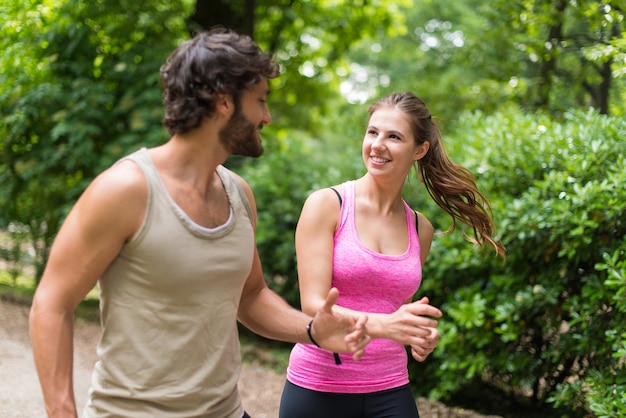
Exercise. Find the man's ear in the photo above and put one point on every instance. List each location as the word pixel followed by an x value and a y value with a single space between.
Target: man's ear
pixel 224 104
pixel 421 151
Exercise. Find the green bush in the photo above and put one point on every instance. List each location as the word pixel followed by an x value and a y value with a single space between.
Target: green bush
pixel 547 325
pixel 291 168
pixel 78 89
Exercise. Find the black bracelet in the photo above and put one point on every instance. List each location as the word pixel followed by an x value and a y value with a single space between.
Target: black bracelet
pixel 308 331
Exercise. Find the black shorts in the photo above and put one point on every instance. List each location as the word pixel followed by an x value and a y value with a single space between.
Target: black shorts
pixel 297 402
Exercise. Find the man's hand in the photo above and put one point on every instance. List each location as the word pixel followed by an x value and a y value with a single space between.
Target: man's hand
pixel 339 333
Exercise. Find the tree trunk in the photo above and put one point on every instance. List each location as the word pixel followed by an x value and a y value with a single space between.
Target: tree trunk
pixel 237 15
pixel 548 66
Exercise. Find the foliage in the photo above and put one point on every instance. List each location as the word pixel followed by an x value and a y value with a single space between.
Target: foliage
pixel 607 396
pixel 474 55
pixel 570 54
pixel 442 56
pixel 549 322
pixel 291 168
pixel 311 41
pixel 80 88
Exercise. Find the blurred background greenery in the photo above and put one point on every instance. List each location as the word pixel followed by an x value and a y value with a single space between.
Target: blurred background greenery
pixel 530 95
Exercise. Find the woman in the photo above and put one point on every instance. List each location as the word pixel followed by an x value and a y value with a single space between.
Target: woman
pixel 363 238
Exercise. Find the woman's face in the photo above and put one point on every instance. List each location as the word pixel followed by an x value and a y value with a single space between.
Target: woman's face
pixel 389 147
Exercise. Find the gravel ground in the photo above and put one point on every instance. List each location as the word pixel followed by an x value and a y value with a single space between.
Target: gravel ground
pixel 20 394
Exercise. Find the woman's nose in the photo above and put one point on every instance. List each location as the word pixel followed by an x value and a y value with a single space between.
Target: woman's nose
pixel 378 142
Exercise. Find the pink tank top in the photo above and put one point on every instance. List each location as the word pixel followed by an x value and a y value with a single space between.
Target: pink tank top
pixel 367 282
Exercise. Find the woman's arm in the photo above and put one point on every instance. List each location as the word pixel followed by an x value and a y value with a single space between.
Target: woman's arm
pixel 411 324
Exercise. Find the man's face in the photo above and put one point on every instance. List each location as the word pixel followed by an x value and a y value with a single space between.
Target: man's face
pixel 240 136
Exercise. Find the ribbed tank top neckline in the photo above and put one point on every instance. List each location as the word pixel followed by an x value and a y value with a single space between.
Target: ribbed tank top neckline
pixel 348 220
pixel 155 181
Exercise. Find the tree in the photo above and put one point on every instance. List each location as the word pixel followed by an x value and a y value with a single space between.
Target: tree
pixel 80 89
pixel 475 55
pixel 238 15
pixel 572 51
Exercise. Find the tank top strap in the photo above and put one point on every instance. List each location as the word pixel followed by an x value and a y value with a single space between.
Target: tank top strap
pixel 234 190
pixel 411 220
pixel 144 162
pixel 347 205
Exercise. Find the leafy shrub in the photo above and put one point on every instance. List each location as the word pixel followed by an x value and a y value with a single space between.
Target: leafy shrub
pixel 549 323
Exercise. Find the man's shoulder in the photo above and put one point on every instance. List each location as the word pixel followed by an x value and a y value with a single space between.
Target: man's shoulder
pixel 124 177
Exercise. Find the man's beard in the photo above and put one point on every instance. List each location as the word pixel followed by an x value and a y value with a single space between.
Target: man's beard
pixel 239 136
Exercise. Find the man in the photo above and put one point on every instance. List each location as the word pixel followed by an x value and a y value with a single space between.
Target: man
pixel 169 234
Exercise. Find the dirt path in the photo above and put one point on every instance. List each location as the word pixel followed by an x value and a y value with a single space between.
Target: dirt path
pixel 20 394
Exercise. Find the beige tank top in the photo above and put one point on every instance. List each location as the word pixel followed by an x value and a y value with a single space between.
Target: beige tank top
pixel 169 301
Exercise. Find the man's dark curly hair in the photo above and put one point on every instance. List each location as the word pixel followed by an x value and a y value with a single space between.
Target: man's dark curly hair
pixel 212 63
